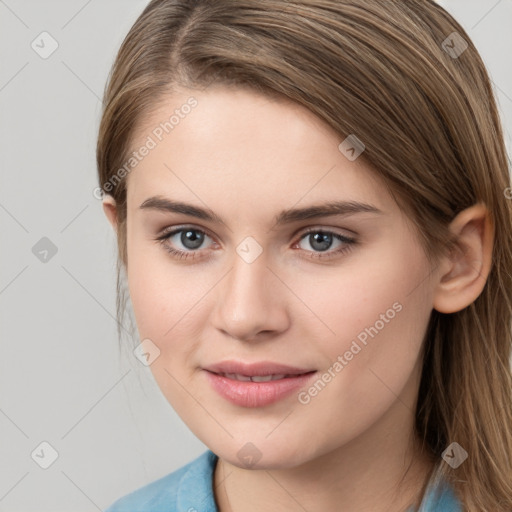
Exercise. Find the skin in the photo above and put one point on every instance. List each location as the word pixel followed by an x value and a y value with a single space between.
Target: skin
pixel 348 448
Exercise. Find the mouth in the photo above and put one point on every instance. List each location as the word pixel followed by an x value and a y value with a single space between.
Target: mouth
pixel 255 378
pixel 256 384
pixel 261 369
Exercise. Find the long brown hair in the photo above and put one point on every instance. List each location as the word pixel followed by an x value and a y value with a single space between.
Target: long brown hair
pixel 419 97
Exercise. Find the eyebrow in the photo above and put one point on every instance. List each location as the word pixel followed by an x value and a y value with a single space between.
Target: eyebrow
pixel 346 208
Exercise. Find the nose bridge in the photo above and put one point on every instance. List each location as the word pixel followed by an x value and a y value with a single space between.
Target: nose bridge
pixel 247 279
pixel 247 302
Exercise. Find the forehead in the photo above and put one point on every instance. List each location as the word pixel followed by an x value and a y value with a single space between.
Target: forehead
pixel 226 145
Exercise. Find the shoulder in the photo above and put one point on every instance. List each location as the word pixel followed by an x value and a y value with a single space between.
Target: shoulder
pixel 186 488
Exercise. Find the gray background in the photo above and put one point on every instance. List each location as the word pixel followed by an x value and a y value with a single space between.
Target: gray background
pixel 62 378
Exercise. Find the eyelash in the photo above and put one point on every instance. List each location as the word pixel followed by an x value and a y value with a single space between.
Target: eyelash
pixel 350 242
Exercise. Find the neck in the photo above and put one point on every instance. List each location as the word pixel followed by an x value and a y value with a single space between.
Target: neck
pixel 375 472
pixel 324 484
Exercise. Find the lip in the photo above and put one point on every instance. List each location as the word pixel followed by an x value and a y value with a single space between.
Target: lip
pixel 256 394
pixel 259 368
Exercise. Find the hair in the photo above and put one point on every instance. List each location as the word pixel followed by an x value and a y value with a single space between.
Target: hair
pixel 431 130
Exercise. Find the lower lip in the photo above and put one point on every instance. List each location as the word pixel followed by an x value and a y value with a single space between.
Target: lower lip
pixel 256 394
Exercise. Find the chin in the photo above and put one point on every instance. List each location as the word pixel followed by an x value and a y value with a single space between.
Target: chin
pixel 262 454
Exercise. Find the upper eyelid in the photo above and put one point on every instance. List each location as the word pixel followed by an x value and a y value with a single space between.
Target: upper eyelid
pixel 326 230
pixel 173 230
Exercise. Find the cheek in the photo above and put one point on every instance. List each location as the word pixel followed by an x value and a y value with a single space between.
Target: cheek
pixel 164 304
pixel 155 286
pixel 376 316
pixel 168 303
pixel 166 309
pixel 369 305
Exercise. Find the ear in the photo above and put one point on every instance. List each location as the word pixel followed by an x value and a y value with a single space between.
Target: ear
pixel 109 207
pixel 465 270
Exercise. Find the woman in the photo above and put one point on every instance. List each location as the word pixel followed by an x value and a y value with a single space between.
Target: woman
pixel 311 201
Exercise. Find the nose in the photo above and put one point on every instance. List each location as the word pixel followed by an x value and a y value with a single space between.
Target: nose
pixel 251 301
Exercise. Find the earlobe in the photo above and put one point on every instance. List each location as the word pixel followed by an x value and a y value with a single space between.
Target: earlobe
pixel 465 270
pixel 109 207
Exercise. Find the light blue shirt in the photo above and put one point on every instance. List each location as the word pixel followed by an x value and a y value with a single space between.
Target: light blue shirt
pixel 189 489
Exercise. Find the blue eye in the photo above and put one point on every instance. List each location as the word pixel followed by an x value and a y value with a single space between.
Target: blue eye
pixel 321 240
pixel 191 239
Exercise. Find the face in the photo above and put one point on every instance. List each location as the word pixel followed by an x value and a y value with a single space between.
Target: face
pixel 332 305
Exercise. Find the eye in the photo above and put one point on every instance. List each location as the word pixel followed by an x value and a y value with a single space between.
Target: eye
pixel 321 240
pixel 185 242
pixel 189 238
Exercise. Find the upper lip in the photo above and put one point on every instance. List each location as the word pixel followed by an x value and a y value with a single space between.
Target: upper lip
pixel 261 368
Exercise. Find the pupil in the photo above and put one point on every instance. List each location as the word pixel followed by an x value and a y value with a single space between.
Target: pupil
pixel 193 238
pixel 324 239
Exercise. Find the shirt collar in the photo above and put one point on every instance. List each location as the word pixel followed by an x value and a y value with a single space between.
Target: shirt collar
pixel 195 492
